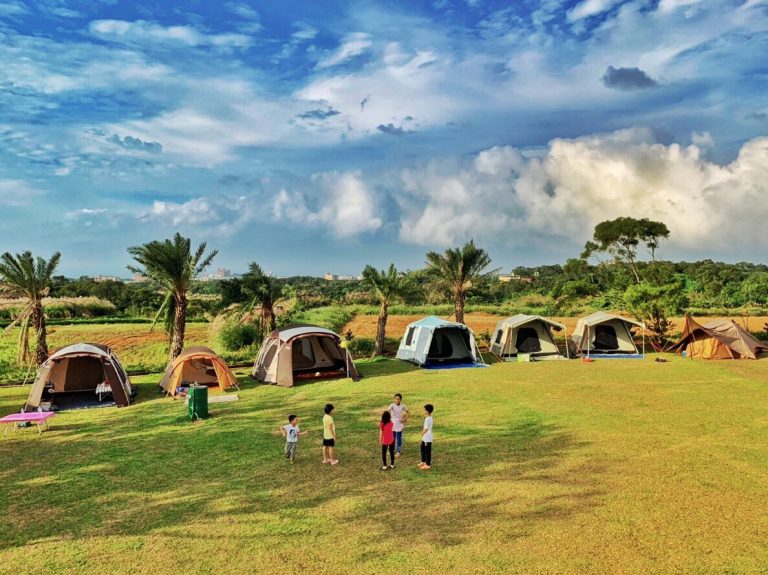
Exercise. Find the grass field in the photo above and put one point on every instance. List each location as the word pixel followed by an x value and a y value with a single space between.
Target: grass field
pixel 550 467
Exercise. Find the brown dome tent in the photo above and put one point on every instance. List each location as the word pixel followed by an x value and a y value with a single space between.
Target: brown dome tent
pixel 199 365
pixel 81 375
pixel 302 352
pixel 718 339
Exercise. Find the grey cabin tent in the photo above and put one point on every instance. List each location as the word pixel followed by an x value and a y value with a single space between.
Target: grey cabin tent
pixel 433 342
pixel 303 352
pixel 606 334
pixel 81 375
pixel 525 334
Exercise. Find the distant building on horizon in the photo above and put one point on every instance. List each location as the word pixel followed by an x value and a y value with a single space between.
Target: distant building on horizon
pixel 223 273
pixel 138 278
pixel 329 277
pixel 513 277
pixel 101 279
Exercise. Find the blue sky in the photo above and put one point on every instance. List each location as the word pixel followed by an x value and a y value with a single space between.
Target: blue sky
pixel 322 136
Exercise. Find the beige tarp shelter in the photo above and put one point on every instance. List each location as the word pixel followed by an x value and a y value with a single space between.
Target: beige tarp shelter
pixel 302 352
pixel 718 339
pixel 603 333
pixel 76 372
pixel 199 365
pixel 525 334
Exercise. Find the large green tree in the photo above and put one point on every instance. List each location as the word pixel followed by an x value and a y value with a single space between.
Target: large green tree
pixel 25 277
pixel 457 270
pixel 387 285
pixel 172 266
pixel 653 304
pixel 621 238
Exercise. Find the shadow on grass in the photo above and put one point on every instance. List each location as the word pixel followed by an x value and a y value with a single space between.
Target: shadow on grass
pixel 154 472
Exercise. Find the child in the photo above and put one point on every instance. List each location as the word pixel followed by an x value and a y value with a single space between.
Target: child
pixel 426 438
pixel 329 436
pixel 400 416
pixel 291 432
pixel 387 440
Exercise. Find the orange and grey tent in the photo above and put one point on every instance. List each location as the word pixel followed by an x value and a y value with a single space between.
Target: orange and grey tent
pixel 718 339
pixel 80 370
pixel 302 352
pixel 199 365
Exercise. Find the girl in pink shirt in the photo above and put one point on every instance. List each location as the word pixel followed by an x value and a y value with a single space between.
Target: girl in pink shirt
pixel 387 440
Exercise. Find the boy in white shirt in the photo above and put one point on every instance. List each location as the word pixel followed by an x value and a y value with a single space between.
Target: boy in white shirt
pixel 400 415
pixel 291 432
pixel 426 438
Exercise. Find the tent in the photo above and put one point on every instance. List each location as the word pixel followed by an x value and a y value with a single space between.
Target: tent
pixel 607 335
pixel 432 342
pixel 303 352
pixel 525 334
pixel 199 365
pixel 718 339
pixel 74 376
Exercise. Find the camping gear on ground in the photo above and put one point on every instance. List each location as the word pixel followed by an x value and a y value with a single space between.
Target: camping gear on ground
pixel 72 375
pixel 303 352
pixel 525 335
pixel 717 339
pixel 198 401
pixel 38 417
pixel 201 365
pixel 607 335
pixel 434 342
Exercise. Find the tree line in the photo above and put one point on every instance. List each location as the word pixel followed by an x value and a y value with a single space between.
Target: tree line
pixel 610 273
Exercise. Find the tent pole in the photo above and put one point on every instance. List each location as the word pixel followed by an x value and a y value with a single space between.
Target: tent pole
pixel 589 336
pixel 643 340
pixel 567 347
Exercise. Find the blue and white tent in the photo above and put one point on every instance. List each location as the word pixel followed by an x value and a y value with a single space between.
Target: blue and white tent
pixel 434 342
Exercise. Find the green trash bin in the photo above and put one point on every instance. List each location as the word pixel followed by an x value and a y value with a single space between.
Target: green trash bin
pixel 198 401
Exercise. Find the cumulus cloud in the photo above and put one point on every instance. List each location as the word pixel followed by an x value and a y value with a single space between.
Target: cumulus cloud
pixel 341 201
pixel 135 144
pixel 627 79
pixel 577 183
pixel 318 114
pixel 353 45
pixel 222 216
pixel 141 31
pixel 392 130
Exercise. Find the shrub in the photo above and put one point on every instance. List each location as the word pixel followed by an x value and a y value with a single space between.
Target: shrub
pixel 361 346
pixel 235 336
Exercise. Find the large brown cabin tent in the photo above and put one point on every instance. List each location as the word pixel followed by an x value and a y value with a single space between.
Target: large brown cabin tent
pixel 71 375
pixel 718 339
pixel 199 365
pixel 302 352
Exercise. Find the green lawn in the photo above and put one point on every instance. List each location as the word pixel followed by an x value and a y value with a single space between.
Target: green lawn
pixel 551 467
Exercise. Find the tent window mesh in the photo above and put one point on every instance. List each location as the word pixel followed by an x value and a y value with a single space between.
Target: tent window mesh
pixel 498 335
pixel 409 337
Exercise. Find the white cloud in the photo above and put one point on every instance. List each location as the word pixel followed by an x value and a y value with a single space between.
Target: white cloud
pixel 589 8
pixel 353 45
pixel 13 9
pixel 340 201
pixel 578 183
pixel 141 31
pixel 15 193
pixel 221 216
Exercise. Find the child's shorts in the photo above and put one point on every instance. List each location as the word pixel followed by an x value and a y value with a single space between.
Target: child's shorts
pixel 328 442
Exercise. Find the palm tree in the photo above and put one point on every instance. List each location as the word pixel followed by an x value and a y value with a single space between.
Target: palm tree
pixel 387 284
pixel 22 276
pixel 173 267
pixel 457 271
pixel 262 293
